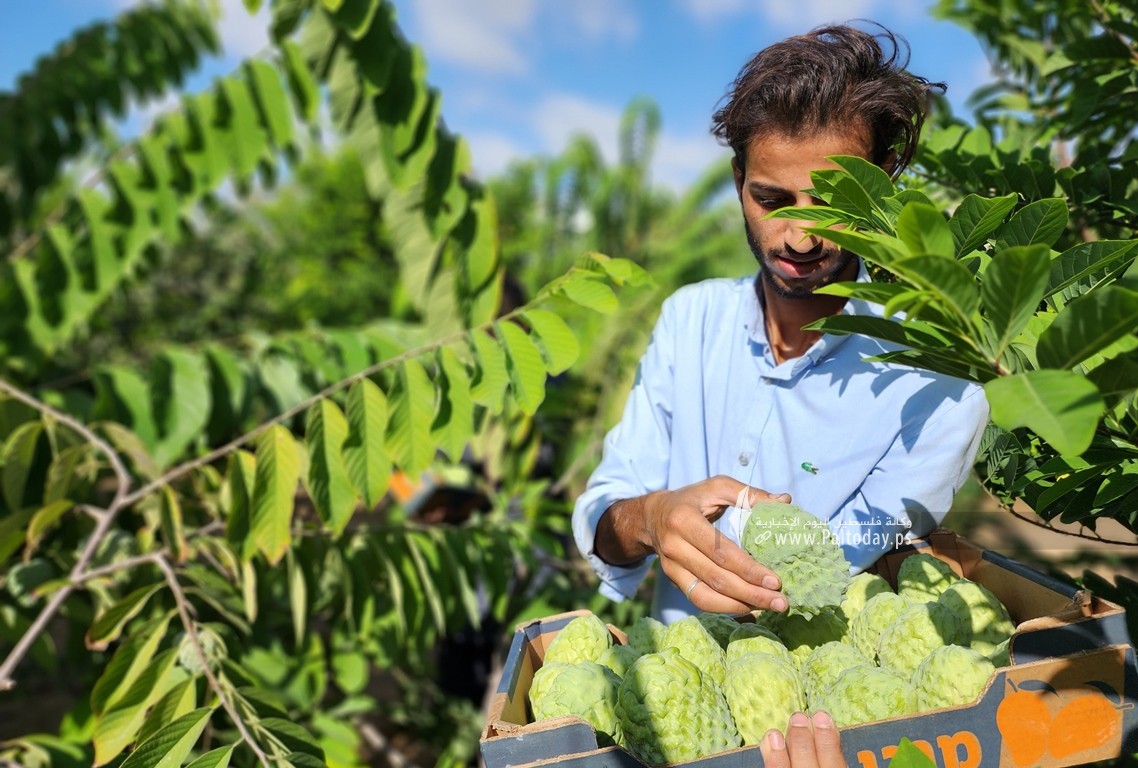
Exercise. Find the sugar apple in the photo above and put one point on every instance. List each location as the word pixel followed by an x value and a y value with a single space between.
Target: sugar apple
pixel 695 643
pixel 618 658
pixel 863 694
pixel 825 664
pixel 749 629
pixel 999 655
pixel 922 577
pixel 802 551
pixel 583 689
pixel 670 713
pixel 917 632
pixel 646 635
pixel 878 613
pixel 951 676
pixel 582 639
pixel 802 634
pixel 759 643
pixel 985 618
pixel 763 691
pixel 861 588
pixel 720 625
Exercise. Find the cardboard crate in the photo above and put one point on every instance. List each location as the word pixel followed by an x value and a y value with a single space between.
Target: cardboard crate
pixel 1071 651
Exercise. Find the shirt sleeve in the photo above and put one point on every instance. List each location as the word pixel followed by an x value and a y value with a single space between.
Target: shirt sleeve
pixel 635 458
pixel 910 490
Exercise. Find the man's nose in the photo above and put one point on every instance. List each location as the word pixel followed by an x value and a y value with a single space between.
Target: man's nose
pixel 798 239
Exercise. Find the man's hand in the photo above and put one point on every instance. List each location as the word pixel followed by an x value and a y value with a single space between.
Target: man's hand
pixel 809 743
pixel 715 573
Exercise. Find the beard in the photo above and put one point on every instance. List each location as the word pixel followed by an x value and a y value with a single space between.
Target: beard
pixel 831 265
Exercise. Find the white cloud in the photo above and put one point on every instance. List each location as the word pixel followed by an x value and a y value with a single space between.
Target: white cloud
pixel 680 160
pixel 491 153
pixel 558 117
pixel 598 20
pixel 802 14
pixel 478 35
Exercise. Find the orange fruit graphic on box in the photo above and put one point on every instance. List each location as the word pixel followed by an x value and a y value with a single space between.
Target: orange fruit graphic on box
pixel 1024 721
pixel 1084 723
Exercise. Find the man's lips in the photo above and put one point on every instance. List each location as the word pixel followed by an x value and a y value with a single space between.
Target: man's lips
pixel 800 267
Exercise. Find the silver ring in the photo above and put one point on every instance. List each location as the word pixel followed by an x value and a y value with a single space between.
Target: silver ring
pixel 687 592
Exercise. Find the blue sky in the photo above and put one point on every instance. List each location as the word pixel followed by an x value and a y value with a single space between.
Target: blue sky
pixel 519 77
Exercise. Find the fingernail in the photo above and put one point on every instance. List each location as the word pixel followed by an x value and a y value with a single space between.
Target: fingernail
pixel 779 604
pixel 823 720
pixel 783 497
pixel 799 720
pixel 770 581
pixel 775 740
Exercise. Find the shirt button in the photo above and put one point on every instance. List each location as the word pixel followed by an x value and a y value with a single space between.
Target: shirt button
pixel 744 459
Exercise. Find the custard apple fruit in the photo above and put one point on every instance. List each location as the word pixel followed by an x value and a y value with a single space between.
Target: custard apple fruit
pixel 759 643
pixel 762 691
pixel 695 643
pixel 863 694
pixel 999 655
pixel 750 629
pixel 582 639
pixel 916 633
pixel 861 588
pixel 618 658
pixel 583 689
pixel 951 676
pixel 670 713
pixel 802 634
pixel 922 577
pixel 825 664
pixel 985 618
pixel 720 625
pixel 879 612
pixel 802 551
pixel 646 635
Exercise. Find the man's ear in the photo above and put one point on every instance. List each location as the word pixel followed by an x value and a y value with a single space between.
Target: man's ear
pixel 889 164
pixel 738 173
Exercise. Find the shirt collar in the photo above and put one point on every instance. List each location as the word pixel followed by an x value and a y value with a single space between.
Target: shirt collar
pixel 824 347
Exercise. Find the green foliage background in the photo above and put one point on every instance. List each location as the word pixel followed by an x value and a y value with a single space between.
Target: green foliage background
pixel 209 410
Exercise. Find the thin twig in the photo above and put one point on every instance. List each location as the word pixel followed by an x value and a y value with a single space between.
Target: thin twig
pixel 1076 534
pixel 191 632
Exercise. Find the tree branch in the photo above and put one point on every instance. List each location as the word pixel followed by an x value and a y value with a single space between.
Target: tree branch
pixel 1040 523
pixel 191 632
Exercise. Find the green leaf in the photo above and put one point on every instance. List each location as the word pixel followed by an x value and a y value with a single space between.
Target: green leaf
pixel 908 755
pixel 246 141
pixel 328 480
pixel 181 402
pixel 365 457
pixel 1087 260
pixel 1117 377
pixel 1011 290
pixel 488 386
pixel 297 598
pixel 976 218
pixel 179 700
pixel 119 726
pixel 590 291
pixel 215 758
pixel 305 92
pixel 874 247
pixel 355 16
pixel 1039 222
pixel 412 411
pixel 173 528
pixel 923 230
pixel 417 544
pixel 44 520
pixel 130 659
pixel 272 101
pixel 123 396
pixel 1062 407
pixel 909 334
pixel 870 177
pixel 17 464
pixel 1088 325
pixel 558 344
pixel 946 279
pixel 454 420
pixel 110 623
pixel 172 744
pixel 237 497
pixel 527 369
pixel 481 258
pixel 278 472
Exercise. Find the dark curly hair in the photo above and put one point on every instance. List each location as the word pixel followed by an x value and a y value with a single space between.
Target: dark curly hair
pixel 831 77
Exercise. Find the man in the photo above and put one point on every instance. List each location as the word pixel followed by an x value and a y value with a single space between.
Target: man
pixel 734 401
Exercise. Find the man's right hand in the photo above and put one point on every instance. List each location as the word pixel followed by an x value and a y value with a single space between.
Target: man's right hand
pixel 677 527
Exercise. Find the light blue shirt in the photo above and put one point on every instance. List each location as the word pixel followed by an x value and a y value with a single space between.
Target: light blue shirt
pixel 876 450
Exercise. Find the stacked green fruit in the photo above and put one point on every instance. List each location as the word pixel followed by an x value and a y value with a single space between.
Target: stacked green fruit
pixel 711 682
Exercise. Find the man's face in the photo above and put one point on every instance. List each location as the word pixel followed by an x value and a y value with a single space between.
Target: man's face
pixel 778 168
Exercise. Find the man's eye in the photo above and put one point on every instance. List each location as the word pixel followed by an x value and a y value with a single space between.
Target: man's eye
pixel 771 202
